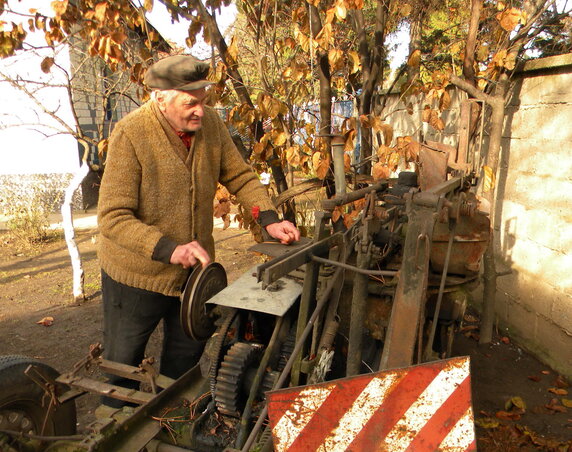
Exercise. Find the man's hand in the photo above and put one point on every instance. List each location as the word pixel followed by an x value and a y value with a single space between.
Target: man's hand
pixel 189 254
pixel 284 231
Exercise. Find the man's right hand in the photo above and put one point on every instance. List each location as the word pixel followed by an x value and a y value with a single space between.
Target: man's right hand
pixel 189 254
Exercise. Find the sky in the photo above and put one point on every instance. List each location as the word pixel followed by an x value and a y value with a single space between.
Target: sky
pixel 177 31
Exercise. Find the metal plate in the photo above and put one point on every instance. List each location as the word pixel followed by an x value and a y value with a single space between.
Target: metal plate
pixel 422 408
pixel 246 293
pixel 202 284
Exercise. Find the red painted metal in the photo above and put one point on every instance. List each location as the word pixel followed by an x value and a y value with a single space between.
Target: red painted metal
pixel 421 408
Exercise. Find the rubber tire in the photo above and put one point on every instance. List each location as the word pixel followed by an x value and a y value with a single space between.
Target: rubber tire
pixel 19 391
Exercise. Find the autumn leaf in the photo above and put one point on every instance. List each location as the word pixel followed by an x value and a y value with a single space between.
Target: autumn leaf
pixel 508 415
pixel 354 58
pixel 321 165
pixel 336 214
pixel 347 162
pixel 226 219
pixel 567 403
pixel 558 391
pixel 341 11
pixel 380 171
pixel 405 10
pixel 222 208
pixel 426 115
pixel 46 321
pixel 148 5
pixel 561 382
pixel 410 109
pixel 515 402
pixel 489 180
pixel 350 218
pixel 59 7
pixel 414 59
pixel 510 18
pixel 534 378
pixel 47 64
pixel 444 101
pixel 365 121
pixel 293 155
pixel 487 422
pixel 100 11
pixel 382 152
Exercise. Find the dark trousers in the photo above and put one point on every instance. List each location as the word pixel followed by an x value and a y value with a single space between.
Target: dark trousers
pixel 130 316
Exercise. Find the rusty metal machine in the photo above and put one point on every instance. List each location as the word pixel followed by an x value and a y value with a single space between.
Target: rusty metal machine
pixel 385 293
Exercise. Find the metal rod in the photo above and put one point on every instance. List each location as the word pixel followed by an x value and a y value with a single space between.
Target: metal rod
pixel 441 291
pixel 284 375
pixel 353 268
pixel 245 419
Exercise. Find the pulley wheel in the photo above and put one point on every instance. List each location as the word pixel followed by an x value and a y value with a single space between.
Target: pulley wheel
pixel 201 286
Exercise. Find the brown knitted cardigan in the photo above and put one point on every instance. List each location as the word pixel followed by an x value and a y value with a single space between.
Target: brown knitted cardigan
pixel 149 193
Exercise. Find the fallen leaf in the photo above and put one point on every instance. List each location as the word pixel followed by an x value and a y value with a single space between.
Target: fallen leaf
pixel 534 378
pixel 558 391
pixel 508 415
pixel 487 422
pixel 545 372
pixel 470 318
pixel 515 402
pixel 554 405
pixel 505 340
pixel 46 321
pixel 567 403
pixel 561 382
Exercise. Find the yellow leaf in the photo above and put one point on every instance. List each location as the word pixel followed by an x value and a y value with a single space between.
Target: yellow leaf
pixel 321 165
pixel 515 402
pixel 382 152
pixel 354 58
pixel 148 5
pixel 279 138
pixel 293 155
pixel 567 403
pixel 341 11
pixel 489 179
pixel 60 7
pixel 487 422
pixel 336 59
pixel 47 64
pixel 510 18
pixel 483 52
pixel 118 37
pixel 46 321
pixel 501 6
pixel 350 218
pixel 100 10
pixel 414 59
pixel 406 10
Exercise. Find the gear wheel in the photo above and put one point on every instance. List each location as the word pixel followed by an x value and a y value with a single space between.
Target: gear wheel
pixel 229 395
pixel 216 352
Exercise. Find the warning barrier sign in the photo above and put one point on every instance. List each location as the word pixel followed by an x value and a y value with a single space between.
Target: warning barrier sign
pixel 421 408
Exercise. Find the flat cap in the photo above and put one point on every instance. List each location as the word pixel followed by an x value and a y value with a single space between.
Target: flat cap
pixel 180 72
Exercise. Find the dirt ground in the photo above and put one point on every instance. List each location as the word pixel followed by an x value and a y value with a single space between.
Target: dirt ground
pixel 37 283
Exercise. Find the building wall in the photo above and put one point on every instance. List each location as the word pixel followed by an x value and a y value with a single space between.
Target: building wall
pixel 534 215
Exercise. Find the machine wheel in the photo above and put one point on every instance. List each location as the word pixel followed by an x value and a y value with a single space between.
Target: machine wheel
pixel 24 405
pixel 229 394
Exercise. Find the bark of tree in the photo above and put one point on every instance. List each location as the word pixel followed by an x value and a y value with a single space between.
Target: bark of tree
pixel 69 231
pixel 371 57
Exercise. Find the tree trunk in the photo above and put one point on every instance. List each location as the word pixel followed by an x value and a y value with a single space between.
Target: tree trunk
pixel 69 232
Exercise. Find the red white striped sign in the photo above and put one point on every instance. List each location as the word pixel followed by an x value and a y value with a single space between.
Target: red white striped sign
pixel 422 408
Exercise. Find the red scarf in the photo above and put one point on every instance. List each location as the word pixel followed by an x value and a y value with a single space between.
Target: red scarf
pixel 186 138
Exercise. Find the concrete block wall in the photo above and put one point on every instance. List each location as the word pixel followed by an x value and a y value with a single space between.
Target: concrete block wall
pixel 534 215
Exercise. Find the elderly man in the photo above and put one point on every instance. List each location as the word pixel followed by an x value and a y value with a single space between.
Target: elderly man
pixel 156 212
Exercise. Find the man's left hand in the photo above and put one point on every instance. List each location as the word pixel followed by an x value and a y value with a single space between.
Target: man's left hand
pixel 284 231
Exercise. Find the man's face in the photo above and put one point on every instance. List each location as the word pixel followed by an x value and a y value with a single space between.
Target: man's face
pixel 185 111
